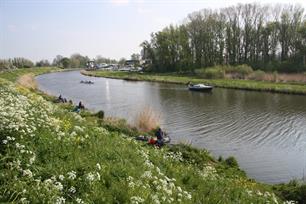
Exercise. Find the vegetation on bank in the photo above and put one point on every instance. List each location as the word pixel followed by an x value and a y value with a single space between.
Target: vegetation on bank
pixel 13 75
pixel 244 84
pixel 52 155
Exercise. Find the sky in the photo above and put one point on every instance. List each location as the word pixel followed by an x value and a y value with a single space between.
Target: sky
pixel 42 29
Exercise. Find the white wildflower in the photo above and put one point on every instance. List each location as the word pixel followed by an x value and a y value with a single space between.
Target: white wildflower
pixel 90 176
pixel 27 173
pixel 61 177
pixel 60 200
pixel 136 200
pixel 72 189
pixel 79 200
pixel 147 174
pixel 32 159
pixel 58 186
pixel 24 200
pixel 71 175
pixel 98 166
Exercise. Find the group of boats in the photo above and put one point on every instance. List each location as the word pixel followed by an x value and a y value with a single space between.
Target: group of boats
pixel 191 87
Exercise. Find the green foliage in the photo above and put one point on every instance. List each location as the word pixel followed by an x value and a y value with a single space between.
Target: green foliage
pixel 210 38
pixel 291 191
pixel 192 155
pixel 6 65
pixel 232 162
pixel 240 71
pixel 65 62
pixel 43 63
pixel 17 62
pixel 211 73
pixel 100 114
pixel 258 75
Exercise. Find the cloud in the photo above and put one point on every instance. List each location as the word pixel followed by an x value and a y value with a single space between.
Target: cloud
pixel 119 2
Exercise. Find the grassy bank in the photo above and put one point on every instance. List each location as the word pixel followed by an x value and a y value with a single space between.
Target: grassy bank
pixel 49 154
pixel 288 88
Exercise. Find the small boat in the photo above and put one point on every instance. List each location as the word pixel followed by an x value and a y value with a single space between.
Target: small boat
pixel 86 82
pixel 200 87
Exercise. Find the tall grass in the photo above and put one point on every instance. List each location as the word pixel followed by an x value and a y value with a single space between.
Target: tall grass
pixel 27 81
pixel 147 120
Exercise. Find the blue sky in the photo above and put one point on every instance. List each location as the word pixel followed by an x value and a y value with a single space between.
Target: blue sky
pixel 41 29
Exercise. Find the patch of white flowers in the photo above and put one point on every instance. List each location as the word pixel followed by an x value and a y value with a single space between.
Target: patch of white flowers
pixel 19 114
pixel 166 191
pixel 175 156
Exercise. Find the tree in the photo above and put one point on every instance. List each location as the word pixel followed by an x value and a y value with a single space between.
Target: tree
pixel 264 37
pixel 65 62
pixel 135 56
pixel 57 60
pixel 43 63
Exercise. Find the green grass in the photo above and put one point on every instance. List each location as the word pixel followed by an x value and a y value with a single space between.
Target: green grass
pixel 12 75
pixel 49 154
pixel 288 88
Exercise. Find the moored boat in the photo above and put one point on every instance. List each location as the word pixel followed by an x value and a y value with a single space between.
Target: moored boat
pixel 200 87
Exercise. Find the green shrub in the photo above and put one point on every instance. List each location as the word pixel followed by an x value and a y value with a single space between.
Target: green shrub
pixel 211 73
pixel 232 162
pixel 100 114
pixel 258 75
pixel 244 70
pixel 240 71
pixel 291 191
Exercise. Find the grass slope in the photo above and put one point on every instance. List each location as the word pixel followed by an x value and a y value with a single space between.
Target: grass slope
pixel 49 154
pixel 223 83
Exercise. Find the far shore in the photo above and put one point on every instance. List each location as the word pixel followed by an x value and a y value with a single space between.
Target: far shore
pixel 250 85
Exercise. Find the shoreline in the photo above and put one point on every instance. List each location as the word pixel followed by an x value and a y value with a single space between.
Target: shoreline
pixel 247 85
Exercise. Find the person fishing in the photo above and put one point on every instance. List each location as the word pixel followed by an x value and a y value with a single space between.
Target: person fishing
pixel 160 137
pixel 81 106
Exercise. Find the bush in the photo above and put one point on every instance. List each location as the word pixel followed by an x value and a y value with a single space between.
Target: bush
pixel 100 114
pixel 258 75
pixel 211 73
pixel 232 162
pixel 244 70
pixel 240 71
pixel 291 191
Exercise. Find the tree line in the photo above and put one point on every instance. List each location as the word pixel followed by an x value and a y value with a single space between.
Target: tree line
pixel 266 37
pixel 74 61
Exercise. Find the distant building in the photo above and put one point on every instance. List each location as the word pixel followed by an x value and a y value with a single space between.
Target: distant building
pixel 131 62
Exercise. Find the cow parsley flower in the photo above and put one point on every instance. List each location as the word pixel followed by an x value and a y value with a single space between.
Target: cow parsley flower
pixel 72 189
pixel 27 173
pixel 71 175
pixel 60 200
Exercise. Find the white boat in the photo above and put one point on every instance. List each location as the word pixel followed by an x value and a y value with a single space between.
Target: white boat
pixel 200 87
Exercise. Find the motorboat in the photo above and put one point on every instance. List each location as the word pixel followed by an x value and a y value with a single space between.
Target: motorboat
pixel 86 82
pixel 200 87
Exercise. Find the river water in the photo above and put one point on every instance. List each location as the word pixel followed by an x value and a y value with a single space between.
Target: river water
pixel 266 132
